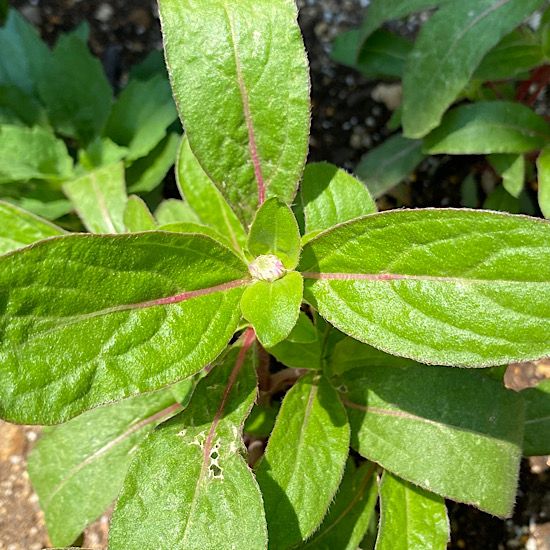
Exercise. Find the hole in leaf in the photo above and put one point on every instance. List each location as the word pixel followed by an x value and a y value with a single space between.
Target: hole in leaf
pixel 216 470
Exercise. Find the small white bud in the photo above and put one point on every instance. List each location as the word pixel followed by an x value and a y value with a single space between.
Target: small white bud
pixel 267 268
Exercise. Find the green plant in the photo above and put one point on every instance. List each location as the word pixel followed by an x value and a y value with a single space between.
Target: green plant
pixel 59 121
pixel 152 347
pixel 470 81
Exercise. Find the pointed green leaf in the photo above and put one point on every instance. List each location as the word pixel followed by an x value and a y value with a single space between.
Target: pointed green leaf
pixel 189 486
pixel 175 211
pixel 18 228
pixel 512 170
pixel 100 152
pixel 141 114
pixel 244 65
pixel 331 196
pixel 543 169
pixel 488 127
pixel 89 319
pixel 410 517
pixel 304 461
pixel 537 420
pixel 273 307
pixel 449 287
pixel 349 515
pixel 137 216
pixel 206 200
pixel 27 153
pixel 461 439
pixel 390 163
pixel 99 199
pixel 77 468
pixel 16 107
pixel 275 231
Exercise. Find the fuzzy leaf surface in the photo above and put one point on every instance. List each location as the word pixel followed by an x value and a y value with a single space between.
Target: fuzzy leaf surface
pixel 410 517
pixel 304 461
pixel 91 319
pixel 461 439
pixel 244 64
pixel 449 287
pixel 447 52
pixel 537 420
pixel 189 486
pixel 543 169
pixel 78 468
pixel 175 211
pixel 137 216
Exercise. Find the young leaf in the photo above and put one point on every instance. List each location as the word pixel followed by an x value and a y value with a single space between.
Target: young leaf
pixel 140 115
pixel 449 287
pixel 99 199
pixel 488 127
pixel 275 232
pixel 304 461
pixel 137 216
pixel 537 420
pixel 349 515
pixel 245 66
pixel 461 439
pixel 77 468
pixel 100 152
pixel 272 307
pixel 389 163
pixel 19 228
pixel 331 196
pixel 175 211
pixel 27 153
pixel 448 50
pixel 204 197
pixel 189 486
pixel 543 169
pixel 512 170
pixel 410 517
pixel 91 319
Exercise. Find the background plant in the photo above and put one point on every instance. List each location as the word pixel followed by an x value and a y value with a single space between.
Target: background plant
pixel 92 319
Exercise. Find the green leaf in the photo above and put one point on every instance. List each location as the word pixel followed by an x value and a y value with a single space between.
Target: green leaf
pixel 537 420
pixel 16 107
pixel 42 198
pixel 75 91
pixel 488 127
pixel 275 231
pixel 447 52
pixel 500 200
pixel 543 169
pixel 450 287
pixel 137 216
pixel 331 196
pixel 18 228
pixel 175 211
pixel 99 199
pixel 298 481
pixel 189 486
pixel 147 173
pixel 152 65
pixel 350 514
pixel 461 439
pixel 512 170
pixel 27 153
pixel 100 152
pixel 410 517
pixel 188 227
pixel 390 163
pixel 244 64
pixel 203 196
pixel 78 468
pixel 4 8
pixel 273 307
pixel 261 420
pixel 90 319
pixel 141 114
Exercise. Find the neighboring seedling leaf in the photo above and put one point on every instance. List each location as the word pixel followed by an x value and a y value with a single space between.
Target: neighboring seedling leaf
pixel 107 317
pixel 449 287
pixel 410 517
pixel 298 481
pixel 273 307
pixel 537 420
pixel 512 170
pixel 331 196
pixel 175 211
pixel 461 439
pixel 448 50
pixel 488 127
pixel 390 163
pixel 99 199
pixel 100 152
pixel 137 216
pixel 189 486
pixel 245 66
pixel 16 107
pixel 77 468
pixel 543 169
pixel 19 228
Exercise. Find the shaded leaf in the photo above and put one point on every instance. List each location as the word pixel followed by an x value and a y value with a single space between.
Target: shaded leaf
pixel 537 420
pixel 16 107
pixel 137 216
pixel 512 170
pixel 100 152
pixel 543 169
pixel 175 211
